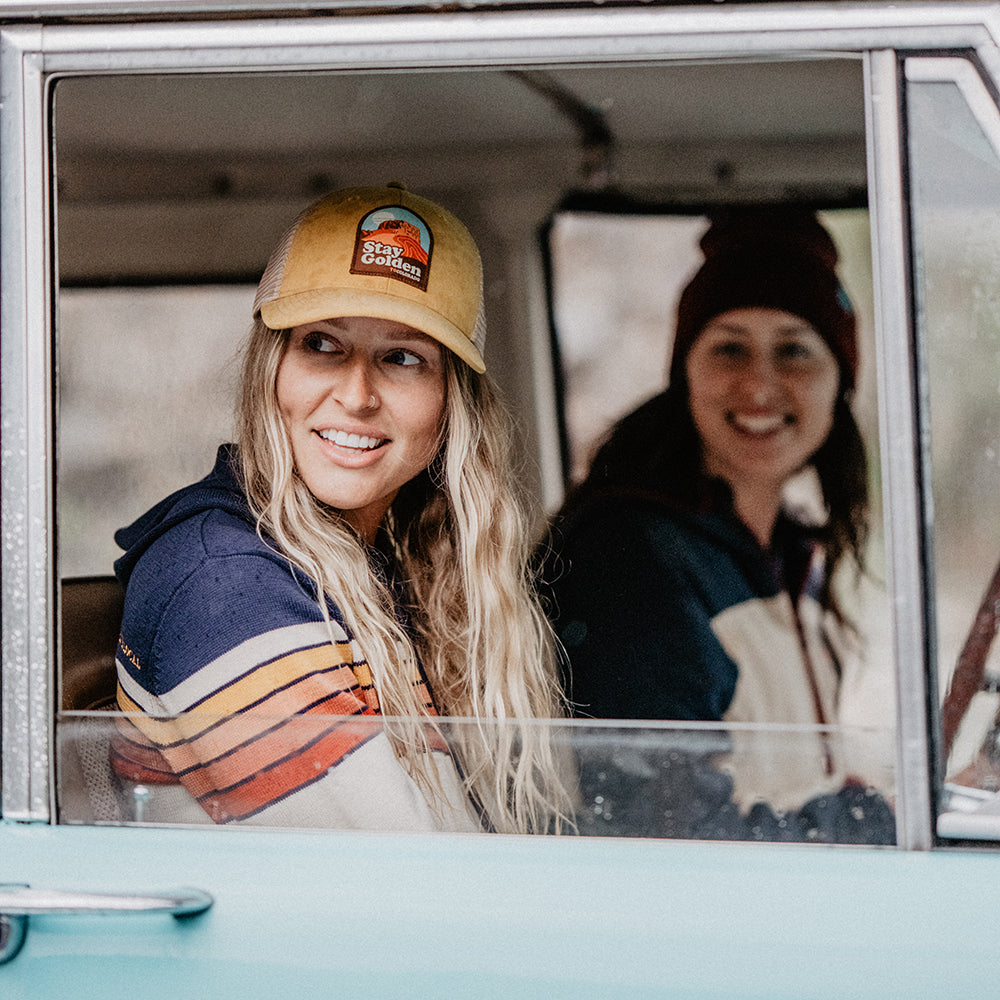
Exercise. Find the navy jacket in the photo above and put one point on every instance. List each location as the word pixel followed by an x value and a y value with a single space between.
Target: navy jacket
pixel 668 613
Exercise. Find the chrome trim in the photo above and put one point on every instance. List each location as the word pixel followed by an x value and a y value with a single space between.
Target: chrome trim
pixel 513 38
pixel 13 931
pixel 25 405
pixel 956 819
pixel 182 8
pixel 19 902
pixel 22 901
pixel 961 73
pixel 897 415
pixel 30 56
pixel 704 18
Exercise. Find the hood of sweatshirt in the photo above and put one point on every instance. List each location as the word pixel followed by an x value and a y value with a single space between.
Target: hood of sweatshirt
pixel 219 490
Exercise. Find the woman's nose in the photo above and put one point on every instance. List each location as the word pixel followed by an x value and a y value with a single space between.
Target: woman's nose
pixel 760 379
pixel 357 389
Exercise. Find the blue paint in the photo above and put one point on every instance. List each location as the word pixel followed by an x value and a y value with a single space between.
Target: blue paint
pixel 371 915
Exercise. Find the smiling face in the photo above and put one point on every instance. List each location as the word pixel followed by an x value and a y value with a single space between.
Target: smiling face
pixel 762 385
pixel 363 402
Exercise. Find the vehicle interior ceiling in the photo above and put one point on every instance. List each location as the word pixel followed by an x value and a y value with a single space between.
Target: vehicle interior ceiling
pixel 188 180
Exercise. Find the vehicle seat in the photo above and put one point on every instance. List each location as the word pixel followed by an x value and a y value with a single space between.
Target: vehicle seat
pixel 91 619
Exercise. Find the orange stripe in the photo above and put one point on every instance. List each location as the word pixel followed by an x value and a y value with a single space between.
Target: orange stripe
pixel 281 780
pixel 291 775
pixel 259 683
pixel 263 743
pixel 236 730
pixel 294 699
pixel 235 764
pixel 140 765
pixel 284 698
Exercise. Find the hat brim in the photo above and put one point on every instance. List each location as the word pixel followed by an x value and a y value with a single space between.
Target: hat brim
pixel 333 303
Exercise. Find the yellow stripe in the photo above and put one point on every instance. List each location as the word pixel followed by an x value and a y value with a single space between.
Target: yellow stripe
pixel 257 685
pixel 125 703
pixel 279 673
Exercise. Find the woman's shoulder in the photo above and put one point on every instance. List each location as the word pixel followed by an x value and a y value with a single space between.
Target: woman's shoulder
pixel 210 585
pixel 200 579
pixel 203 533
pixel 175 526
pixel 213 543
pixel 215 552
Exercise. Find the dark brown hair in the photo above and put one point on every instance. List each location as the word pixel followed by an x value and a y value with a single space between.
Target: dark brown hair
pixel 655 452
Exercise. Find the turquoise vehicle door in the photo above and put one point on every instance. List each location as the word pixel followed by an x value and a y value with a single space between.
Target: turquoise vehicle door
pixel 373 915
pixel 149 156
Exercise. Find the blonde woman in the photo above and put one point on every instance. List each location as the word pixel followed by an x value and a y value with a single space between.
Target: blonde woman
pixel 354 567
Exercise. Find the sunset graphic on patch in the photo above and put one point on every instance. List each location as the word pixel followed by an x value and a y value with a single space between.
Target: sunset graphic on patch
pixel 393 242
pixel 399 232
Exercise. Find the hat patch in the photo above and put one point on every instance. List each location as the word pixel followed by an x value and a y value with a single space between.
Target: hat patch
pixel 393 242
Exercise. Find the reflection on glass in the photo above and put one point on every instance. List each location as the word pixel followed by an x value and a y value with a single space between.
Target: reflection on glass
pixel 631 780
pixel 955 194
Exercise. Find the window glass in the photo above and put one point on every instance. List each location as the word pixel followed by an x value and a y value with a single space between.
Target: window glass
pixel 955 150
pixel 630 779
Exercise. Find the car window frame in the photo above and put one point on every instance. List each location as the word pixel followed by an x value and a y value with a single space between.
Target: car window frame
pixel 33 57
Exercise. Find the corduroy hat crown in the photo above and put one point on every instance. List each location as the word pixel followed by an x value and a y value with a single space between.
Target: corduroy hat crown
pixel 383 253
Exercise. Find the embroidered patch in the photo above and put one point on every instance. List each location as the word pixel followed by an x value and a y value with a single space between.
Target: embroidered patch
pixel 393 242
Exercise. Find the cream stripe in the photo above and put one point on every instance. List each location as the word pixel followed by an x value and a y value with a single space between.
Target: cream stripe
pixel 146 702
pixel 233 664
pixel 259 685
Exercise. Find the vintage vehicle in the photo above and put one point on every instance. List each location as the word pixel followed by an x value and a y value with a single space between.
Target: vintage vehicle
pixel 151 151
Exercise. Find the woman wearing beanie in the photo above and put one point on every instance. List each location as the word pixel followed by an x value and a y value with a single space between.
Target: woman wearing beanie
pixel 353 568
pixel 681 582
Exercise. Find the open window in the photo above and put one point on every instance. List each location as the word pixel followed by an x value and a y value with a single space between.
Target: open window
pixel 166 194
pixel 954 145
pixel 169 199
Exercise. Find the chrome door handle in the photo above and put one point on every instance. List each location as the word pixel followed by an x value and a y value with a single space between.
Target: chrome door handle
pixel 21 900
pixel 18 902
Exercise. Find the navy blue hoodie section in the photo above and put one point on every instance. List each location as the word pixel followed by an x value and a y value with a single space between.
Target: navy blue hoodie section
pixel 205 528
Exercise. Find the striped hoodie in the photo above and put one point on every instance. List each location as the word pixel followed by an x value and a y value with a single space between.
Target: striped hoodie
pixel 239 690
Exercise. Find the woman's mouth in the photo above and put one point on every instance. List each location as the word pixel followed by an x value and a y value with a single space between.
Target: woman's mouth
pixel 759 425
pixel 358 442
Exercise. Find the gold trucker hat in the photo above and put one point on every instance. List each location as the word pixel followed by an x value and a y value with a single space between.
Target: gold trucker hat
pixel 384 253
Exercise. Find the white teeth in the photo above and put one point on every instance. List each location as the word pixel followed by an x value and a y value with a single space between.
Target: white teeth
pixel 758 425
pixel 346 440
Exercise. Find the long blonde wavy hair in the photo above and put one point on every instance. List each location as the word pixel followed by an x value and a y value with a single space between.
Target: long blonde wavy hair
pixel 461 543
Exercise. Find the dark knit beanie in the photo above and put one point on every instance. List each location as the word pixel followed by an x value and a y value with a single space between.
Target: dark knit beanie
pixel 778 258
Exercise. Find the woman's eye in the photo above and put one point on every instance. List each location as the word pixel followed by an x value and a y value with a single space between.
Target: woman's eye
pixel 321 342
pixel 402 357
pixel 794 350
pixel 729 349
